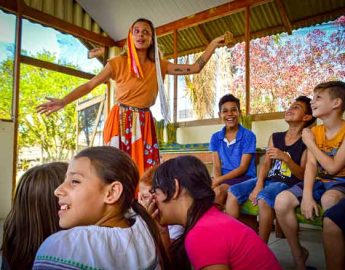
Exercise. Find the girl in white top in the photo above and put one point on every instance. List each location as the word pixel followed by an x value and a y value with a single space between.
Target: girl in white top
pixel 108 229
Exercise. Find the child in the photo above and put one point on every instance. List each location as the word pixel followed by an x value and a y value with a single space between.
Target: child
pixel 283 167
pixel 325 162
pixel 107 228
pixel 334 236
pixel 211 239
pixel 233 149
pixel 34 215
pixel 171 232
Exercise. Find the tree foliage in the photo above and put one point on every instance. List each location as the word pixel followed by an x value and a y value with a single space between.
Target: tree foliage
pixel 56 134
pixel 201 89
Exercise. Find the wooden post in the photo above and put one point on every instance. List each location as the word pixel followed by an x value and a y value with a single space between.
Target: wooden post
pixel 247 53
pixel 175 79
pixel 15 100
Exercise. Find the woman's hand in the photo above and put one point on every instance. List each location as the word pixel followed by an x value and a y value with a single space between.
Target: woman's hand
pixel 53 105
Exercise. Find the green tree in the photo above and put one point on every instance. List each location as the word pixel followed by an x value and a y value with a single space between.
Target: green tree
pixel 56 134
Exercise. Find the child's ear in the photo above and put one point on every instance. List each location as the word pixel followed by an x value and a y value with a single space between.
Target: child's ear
pixel 113 192
pixel 307 117
pixel 177 189
pixel 337 103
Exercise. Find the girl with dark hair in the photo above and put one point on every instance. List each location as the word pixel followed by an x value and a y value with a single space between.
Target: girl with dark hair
pixel 34 215
pixel 211 240
pixel 139 76
pixel 107 227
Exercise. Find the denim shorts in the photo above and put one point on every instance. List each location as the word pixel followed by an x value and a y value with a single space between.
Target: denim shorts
pixel 319 189
pixel 269 193
pixel 337 214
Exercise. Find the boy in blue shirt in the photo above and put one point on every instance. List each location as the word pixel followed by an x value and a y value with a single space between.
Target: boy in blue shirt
pixel 233 149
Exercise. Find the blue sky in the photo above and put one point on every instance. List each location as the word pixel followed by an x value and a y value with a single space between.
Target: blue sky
pixel 36 38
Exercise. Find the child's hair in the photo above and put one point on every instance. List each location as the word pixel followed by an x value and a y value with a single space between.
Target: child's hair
pixel 336 89
pixel 308 109
pixel 229 98
pixel 193 176
pixel 151 49
pixel 112 164
pixel 147 177
pixel 34 214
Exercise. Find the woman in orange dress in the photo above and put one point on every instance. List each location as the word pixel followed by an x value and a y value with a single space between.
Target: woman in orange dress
pixel 138 75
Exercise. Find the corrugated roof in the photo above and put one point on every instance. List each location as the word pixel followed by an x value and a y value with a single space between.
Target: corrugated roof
pixel 266 19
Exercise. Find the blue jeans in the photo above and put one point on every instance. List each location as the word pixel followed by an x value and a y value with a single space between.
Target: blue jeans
pixel 269 192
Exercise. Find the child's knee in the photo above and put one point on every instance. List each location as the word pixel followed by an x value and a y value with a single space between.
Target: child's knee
pixel 330 198
pixel 285 201
pixel 231 198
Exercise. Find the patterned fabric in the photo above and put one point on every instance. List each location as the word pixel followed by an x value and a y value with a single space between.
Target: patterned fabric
pixel 133 131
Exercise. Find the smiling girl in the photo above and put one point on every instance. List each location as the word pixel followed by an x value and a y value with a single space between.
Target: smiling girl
pixel 107 228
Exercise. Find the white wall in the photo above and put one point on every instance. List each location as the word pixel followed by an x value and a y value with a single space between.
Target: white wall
pixel 6 158
pixel 202 134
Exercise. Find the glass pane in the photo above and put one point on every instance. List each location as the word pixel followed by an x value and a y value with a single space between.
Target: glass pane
pixel 63 49
pixel 286 66
pixel 7 51
pixel 198 94
pixel 87 125
pixel 54 137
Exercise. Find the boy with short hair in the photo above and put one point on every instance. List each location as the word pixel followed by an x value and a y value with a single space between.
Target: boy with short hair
pixel 233 149
pixel 325 163
pixel 283 167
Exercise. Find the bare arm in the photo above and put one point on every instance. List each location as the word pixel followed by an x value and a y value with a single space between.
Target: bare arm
pixel 297 170
pixel 217 167
pixel 263 172
pixel 239 171
pixel 308 205
pixel 331 165
pixel 55 104
pixel 185 69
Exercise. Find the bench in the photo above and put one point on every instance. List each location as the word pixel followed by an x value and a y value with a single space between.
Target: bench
pixel 250 212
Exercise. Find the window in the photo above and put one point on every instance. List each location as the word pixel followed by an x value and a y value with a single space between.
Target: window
pixel 7 51
pixel 286 66
pixel 58 48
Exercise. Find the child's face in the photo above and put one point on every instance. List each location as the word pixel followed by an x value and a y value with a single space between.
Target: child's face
pixel 295 112
pixel 144 193
pixel 165 215
pixel 322 103
pixel 229 114
pixel 81 195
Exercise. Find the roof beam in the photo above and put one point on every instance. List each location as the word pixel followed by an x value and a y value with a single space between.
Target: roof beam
pixel 201 17
pixel 283 15
pixel 295 25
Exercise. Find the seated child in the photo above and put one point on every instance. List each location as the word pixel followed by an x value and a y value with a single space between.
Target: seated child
pixel 171 232
pixel 212 239
pixel 325 163
pixel 233 149
pixel 334 236
pixel 106 228
pixel 283 167
pixel 34 215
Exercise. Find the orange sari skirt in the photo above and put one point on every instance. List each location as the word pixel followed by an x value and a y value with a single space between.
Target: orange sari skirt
pixel 133 131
